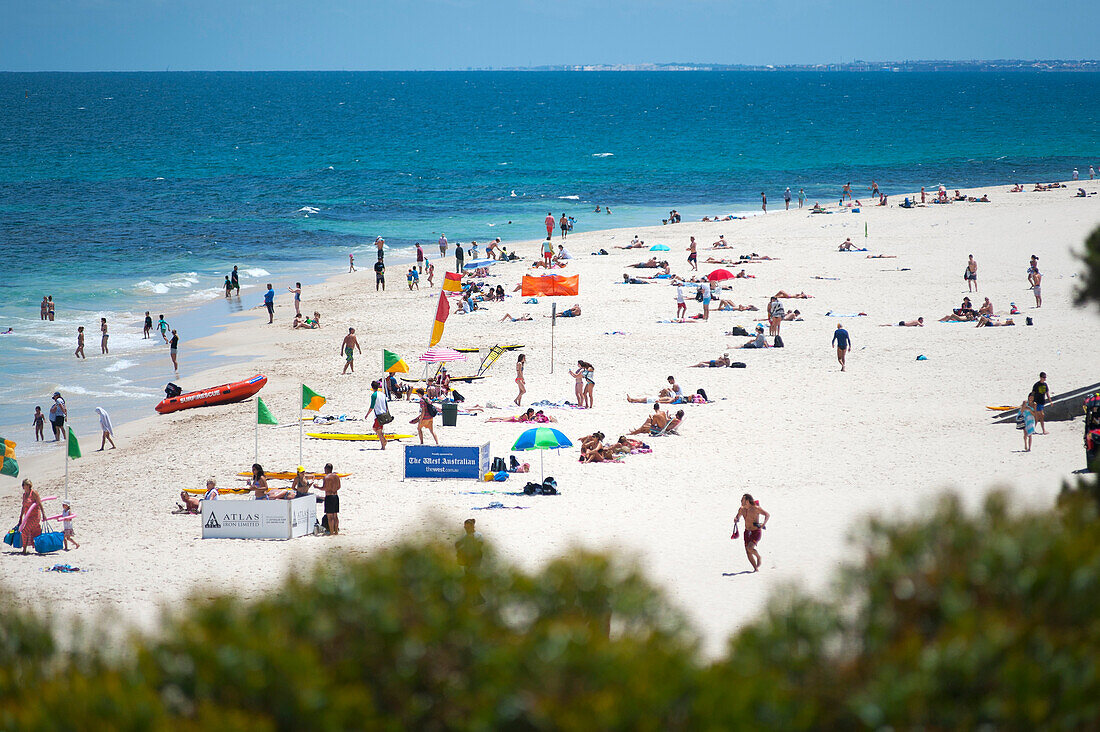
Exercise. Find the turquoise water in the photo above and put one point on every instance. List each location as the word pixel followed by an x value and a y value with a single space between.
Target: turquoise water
pixel 126 192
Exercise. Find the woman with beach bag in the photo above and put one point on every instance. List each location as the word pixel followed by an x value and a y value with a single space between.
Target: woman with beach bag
pixel 426 418
pixel 380 408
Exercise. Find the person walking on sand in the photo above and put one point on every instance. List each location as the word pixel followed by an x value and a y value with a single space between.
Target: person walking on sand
pixel 67 527
pixel 330 485
pixel 843 343
pixel 297 290
pixel 347 347
pixel 426 418
pixel 1027 410
pixel 442 245
pixel 1042 395
pixel 149 324
pixel 787 199
pixel 764 201
pixel 681 304
pixel 107 427
pixel 756 520
pixel 521 361
pixel 235 280
pixel 419 258
pixel 971 274
pixel 269 303
pixel 801 198
pixel 693 255
pixel 563 224
pixel 470 549
pixel 30 515
pixel 80 343
pixel 379 407
pixel 431 274
pixel 174 350
pixel 104 336
pixel 351 262
pixel 549 221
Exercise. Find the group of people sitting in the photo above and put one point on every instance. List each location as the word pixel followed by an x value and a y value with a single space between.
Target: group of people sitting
pixel 966 313
pixel 660 423
pixel 530 415
pixel 593 449
pixel 301 321
pixel 672 394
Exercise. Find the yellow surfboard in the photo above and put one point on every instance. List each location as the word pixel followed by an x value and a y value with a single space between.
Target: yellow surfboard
pixel 352 437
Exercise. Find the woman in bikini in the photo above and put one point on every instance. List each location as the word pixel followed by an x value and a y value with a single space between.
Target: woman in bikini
pixel 300 485
pixel 521 360
pixel 578 388
pixel 589 384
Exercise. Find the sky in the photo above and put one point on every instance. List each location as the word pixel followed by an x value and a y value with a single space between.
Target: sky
pixel 243 35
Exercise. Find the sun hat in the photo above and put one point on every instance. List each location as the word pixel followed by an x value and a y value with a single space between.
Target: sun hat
pixel 301 469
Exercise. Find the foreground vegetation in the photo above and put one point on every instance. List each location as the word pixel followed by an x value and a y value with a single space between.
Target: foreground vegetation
pixel 953 621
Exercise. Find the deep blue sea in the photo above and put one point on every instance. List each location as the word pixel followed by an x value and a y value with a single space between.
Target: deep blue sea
pixel 121 193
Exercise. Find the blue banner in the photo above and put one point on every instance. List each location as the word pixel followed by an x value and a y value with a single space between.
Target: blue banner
pixel 439 461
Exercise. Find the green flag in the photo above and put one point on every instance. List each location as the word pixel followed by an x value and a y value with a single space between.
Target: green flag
pixel 311 399
pixel 74 446
pixel 9 467
pixel 263 414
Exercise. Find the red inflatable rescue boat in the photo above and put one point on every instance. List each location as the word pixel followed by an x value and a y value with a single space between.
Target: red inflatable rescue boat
pixel 238 391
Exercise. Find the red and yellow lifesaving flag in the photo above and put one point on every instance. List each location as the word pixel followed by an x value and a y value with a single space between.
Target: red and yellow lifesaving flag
pixel 452 282
pixel 441 313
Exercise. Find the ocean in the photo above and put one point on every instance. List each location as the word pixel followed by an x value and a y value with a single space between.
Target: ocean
pixel 121 193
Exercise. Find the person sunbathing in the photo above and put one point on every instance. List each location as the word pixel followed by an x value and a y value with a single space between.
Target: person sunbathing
pixel 528 416
pixel 717 363
pixel 636 245
pixel 721 243
pixel 730 305
pixel 742 276
pixel 793 315
pixel 918 323
pixel 758 341
pixel 882 256
pixel 712 260
pixel 190 502
pixel 955 317
pixel 674 423
pixel 988 321
pixel 664 396
pixel 1016 189
pixel 650 264
pixel 509 318
pixel 572 312
pixel 657 420
pixel 589 440
pixel 796 296
pixel 628 280
pixel 757 258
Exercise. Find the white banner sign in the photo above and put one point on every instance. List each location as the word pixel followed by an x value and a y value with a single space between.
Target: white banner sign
pixel 232 519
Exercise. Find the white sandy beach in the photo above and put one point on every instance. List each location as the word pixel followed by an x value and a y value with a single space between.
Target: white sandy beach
pixel 819 449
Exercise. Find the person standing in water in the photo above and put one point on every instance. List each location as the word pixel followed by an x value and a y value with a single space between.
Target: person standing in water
pixel 521 361
pixel 351 262
pixel 149 321
pixel 756 520
pixel 45 309
pixel 843 343
pixel 50 307
pixel 801 197
pixel 764 201
pixel 347 347
pixel 80 343
pixel 39 425
pixel 442 245
pixel 173 350
pixel 549 221
pixel 235 279
pixel 104 337
pixel 787 199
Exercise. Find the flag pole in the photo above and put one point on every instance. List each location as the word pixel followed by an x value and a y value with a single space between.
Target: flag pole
pixel 67 466
pixel 256 451
pixel 300 428
pixel 553 322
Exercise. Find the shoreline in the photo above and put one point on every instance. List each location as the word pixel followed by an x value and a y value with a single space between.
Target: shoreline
pixel 780 430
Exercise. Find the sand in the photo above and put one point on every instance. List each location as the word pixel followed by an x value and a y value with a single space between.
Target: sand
pixel 819 449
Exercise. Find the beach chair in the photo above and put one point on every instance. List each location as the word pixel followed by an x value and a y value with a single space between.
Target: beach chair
pixel 668 429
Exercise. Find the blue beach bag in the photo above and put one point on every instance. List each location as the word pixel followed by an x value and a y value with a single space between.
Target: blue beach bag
pixel 49 541
pixel 14 539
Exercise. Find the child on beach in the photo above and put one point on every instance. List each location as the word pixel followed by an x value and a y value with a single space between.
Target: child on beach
pixel 68 533
pixel 39 425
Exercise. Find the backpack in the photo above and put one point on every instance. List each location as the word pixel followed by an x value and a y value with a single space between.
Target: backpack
pixel 498 465
pixel 737 365
pixel 513 464
pixel 431 410
pixel 549 487
pixel 172 390
pixel 699 295
pixel 778 342
pixel 739 331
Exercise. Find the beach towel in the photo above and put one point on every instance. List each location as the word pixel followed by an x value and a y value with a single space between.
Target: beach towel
pixel 831 314
pixel 496 504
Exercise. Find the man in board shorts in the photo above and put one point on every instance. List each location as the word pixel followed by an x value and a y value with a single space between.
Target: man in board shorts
pixel 348 347
pixel 331 486
pixel 754 528
pixel 549 221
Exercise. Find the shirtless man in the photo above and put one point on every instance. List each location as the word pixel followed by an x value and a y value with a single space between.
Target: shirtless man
pixel 331 486
pixel 918 323
pixel 1036 279
pixel 847 246
pixel 693 255
pixel 347 347
pixel 752 514
pixel 971 275
pixel 657 420
pixel 721 243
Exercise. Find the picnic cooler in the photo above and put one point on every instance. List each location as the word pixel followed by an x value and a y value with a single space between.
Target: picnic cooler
pixel 450 414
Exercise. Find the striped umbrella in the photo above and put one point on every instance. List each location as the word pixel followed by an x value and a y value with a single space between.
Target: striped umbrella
pixel 439 354
pixel 541 439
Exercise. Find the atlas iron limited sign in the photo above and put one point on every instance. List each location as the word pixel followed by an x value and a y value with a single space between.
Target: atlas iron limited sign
pixel 248 519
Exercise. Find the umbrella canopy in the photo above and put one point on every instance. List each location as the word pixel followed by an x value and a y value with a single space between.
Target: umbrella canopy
pixel 541 438
pixel 480 263
pixel 658 248
pixel 439 354
pixel 720 274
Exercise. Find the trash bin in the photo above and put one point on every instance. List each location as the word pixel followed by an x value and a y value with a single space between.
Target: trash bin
pixel 450 414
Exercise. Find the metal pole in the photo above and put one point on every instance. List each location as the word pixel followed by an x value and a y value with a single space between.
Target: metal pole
pixel 67 466
pixel 300 436
pixel 553 322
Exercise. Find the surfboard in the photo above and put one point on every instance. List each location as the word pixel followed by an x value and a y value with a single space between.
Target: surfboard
pixel 512 347
pixel 1002 409
pixel 202 491
pixel 352 437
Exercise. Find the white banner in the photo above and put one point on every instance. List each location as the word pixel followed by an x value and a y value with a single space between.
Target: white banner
pixel 244 519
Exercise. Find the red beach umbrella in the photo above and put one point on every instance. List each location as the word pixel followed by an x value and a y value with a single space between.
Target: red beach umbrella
pixel 721 274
